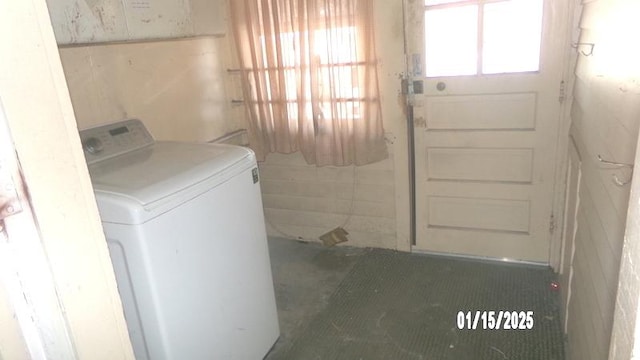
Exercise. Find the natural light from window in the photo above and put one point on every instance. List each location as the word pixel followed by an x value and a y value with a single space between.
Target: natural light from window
pixel 332 75
pixel 451 36
pixel 482 37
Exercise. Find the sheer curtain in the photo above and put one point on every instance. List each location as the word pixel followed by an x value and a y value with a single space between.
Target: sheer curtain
pixel 309 79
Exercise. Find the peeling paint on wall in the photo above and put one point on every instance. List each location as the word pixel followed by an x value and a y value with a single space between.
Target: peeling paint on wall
pixel 90 21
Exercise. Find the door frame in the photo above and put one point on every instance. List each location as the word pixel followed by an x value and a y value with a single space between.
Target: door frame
pixel 66 245
pixel 572 35
pixel 24 268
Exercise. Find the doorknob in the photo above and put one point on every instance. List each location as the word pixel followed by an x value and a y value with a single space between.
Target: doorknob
pixel 441 86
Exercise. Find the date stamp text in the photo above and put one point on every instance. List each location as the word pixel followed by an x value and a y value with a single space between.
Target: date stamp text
pixel 495 320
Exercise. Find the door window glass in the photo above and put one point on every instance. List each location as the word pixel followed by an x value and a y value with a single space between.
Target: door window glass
pixel 482 36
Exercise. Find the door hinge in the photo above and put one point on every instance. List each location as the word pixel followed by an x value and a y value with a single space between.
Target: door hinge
pixel 552 224
pixel 9 199
pixel 562 92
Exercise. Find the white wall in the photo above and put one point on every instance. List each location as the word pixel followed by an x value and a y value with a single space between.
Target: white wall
pixel 626 325
pixel 87 21
pixel 176 87
pixel 606 118
pixel 303 201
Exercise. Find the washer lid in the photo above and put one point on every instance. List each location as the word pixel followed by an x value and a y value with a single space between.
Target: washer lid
pixel 141 178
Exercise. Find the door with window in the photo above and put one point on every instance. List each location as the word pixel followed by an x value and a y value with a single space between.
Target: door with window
pixel 486 126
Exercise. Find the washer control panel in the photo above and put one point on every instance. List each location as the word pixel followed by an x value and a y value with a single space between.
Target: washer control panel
pixel 106 141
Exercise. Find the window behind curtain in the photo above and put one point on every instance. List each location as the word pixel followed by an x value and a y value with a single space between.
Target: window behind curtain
pixel 345 95
pixel 309 79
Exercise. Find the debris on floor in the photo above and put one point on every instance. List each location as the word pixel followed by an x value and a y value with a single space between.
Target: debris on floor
pixel 334 237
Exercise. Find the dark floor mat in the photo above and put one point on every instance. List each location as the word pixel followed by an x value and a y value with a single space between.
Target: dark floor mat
pixel 403 306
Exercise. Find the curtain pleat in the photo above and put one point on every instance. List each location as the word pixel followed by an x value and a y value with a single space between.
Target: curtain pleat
pixel 309 78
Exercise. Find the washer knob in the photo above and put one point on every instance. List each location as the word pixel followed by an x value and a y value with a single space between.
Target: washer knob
pixel 92 145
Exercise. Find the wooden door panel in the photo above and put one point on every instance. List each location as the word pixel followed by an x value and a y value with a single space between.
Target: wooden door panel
pixel 478 139
pixel 497 191
pixel 480 164
pixel 490 244
pixel 485 150
pixel 488 112
pixel 478 214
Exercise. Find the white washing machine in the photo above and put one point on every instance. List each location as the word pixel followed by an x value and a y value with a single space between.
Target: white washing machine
pixel 185 228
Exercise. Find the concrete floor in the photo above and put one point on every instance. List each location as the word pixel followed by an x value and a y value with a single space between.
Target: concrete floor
pixel 305 275
pixel 350 303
